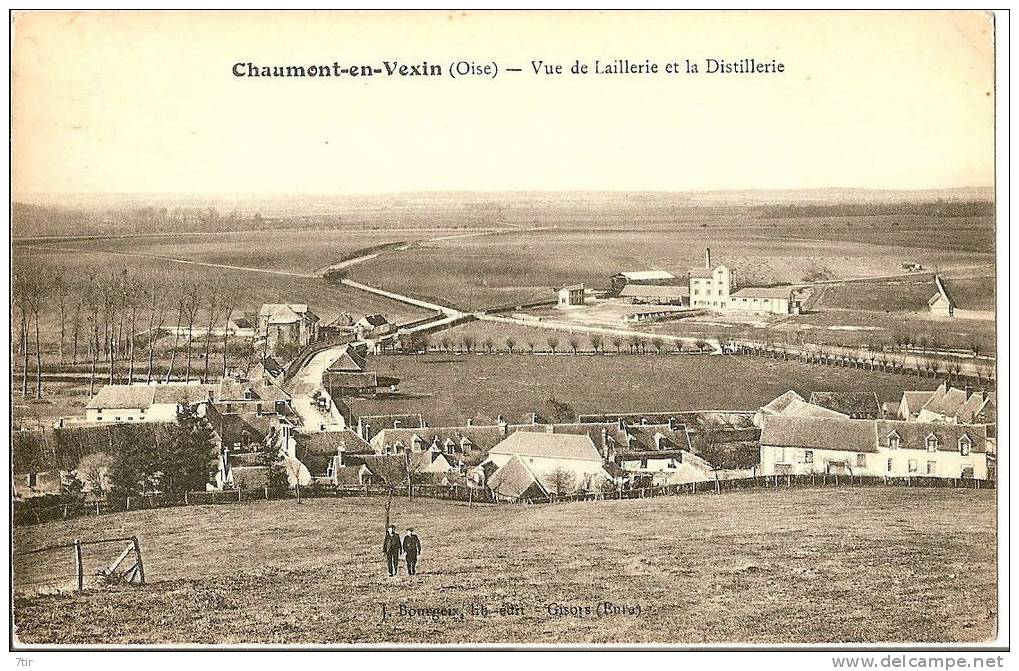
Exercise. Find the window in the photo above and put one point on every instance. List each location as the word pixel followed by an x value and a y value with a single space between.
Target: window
pixel 889 465
pixel 118 419
pixel 932 443
pixel 912 466
pixel 894 441
pixel 808 456
pixel 964 445
pixel 931 467
pixel 33 479
pixel 861 461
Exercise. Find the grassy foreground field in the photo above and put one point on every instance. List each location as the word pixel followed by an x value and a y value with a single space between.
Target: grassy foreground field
pixel 448 389
pixel 765 566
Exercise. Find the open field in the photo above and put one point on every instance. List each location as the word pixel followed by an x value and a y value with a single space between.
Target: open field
pixel 763 566
pixel 449 389
pixel 507 269
pixel 292 250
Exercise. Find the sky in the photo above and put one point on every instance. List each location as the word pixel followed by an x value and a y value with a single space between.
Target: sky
pixel 145 102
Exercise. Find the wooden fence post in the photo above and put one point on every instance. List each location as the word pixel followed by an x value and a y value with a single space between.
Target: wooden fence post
pixel 185 498
pixel 138 556
pixel 78 570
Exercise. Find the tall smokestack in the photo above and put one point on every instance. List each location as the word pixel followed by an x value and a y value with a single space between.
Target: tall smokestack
pixel 707 258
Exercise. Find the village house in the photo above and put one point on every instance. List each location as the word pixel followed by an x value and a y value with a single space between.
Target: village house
pixel 287 324
pixel 129 403
pixel 941 303
pixel 710 286
pixel 515 481
pixel 766 300
pixel 372 326
pixel 267 370
pixel 570 460
pixel 645 277
pixel 571 295
pixel 368 426
pixel 825 445
pixel 341 325
pixel 948 404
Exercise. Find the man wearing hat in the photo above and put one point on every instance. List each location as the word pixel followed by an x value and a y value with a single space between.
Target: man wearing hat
pixel 411 548
pixel 391 549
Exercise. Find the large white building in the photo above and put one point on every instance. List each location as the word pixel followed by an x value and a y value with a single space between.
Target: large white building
pixel 831 445
pixel 710 286
pixel 545 454
pixel 131 403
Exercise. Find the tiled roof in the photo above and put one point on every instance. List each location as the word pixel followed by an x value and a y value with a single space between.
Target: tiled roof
pixel 374 320
pixel 282 313
pixel 947 402
pixel 514 480
pixel 548 445
pixel 328 442
pixel 913 435
pixel 573 287
pixel 122 396
pixel 779 404
pixel 804 409
pixel 916 399
pixel 825 433
pixel 856 404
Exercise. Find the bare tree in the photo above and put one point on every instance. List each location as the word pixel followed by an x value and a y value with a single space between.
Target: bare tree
pixel 574 343
pixel 179 288
pixel 157 314
pixel 133 292
pixel 193 302
pixel 656 342
pixel 511 342
pixel 553 343
pixel 22 290
pixel 596 342
pixel 231 297
pixel 60 293
pixel 76 329
pixel 488 344
pixel 561 481
pixel 617 342
pixel 213 305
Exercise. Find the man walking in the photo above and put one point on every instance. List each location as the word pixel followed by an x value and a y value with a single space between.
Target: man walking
pixel 391 549
pixel 411 548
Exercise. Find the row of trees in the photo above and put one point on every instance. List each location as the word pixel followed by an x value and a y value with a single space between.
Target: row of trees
pixel 595 342
pixel 116 315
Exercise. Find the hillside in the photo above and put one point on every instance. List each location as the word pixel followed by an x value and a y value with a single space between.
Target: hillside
pixel 765 566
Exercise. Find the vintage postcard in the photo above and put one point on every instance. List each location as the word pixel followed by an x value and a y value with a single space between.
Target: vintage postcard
pixel 507 329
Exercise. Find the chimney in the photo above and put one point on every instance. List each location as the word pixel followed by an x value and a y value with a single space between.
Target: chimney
pixel 367 431
pixel 643 421
pixel 534 418
pixel 672 423
pixel 503 430
pixel 605 442
pixel 969 390
pixel 707 258
pixel 339 456
pixel 396 424
pixel 470 422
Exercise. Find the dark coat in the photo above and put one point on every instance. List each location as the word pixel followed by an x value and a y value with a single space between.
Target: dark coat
pixel 391 545
pixel 411 545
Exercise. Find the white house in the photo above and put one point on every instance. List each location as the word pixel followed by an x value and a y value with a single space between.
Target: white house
pixel 765 300
pixel 130 403
pixel 571 295
pixel 831 445
pixel 710 286
pixel 545 454
pixel 941 303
